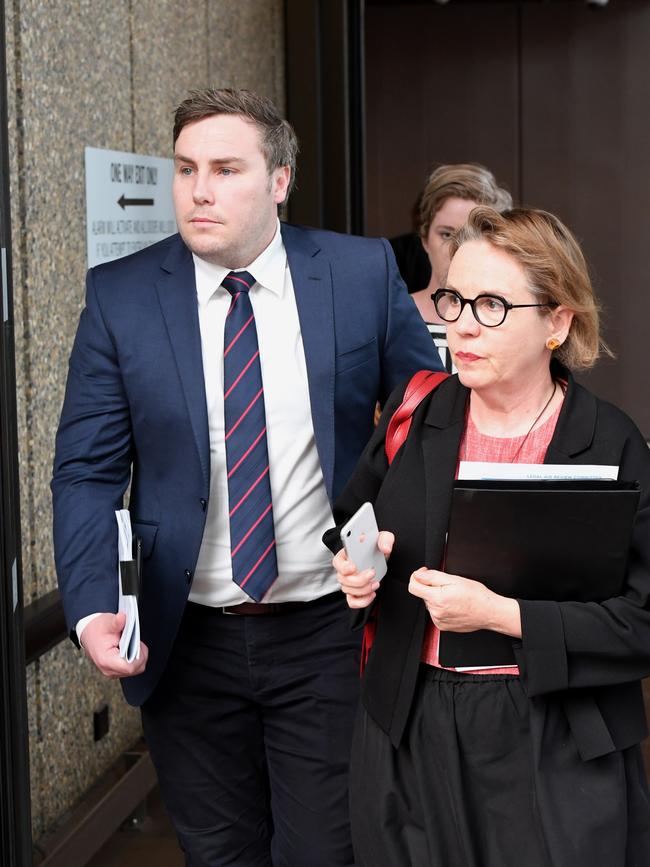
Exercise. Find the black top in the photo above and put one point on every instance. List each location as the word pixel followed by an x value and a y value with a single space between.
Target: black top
pixel 585 659
pixel 412 261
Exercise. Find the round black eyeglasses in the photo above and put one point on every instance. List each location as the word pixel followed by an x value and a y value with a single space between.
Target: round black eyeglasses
pixel 488 310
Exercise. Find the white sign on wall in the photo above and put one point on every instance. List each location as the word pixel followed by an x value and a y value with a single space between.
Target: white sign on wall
pixel 128 203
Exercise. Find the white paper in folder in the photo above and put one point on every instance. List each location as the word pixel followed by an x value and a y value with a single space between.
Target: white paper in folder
pixel 127 602
pixel 477 470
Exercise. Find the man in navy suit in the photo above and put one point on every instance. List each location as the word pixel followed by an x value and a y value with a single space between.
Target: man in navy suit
pixel 247 697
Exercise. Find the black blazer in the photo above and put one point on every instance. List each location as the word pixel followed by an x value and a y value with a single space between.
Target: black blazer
pixel 583 660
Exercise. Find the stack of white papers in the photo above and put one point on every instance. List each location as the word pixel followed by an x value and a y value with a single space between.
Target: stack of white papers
pixel 128 603
pixel 480 470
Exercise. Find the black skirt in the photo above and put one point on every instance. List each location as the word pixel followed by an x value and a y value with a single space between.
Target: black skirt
pixel 470 787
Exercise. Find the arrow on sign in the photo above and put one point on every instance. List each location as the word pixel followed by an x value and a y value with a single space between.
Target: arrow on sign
pixel 123 202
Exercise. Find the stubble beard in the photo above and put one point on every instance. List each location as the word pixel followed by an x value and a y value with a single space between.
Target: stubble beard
pixel 224 252
pixel 228 251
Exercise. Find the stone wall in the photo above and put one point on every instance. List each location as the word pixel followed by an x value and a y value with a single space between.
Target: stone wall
pixel 104 74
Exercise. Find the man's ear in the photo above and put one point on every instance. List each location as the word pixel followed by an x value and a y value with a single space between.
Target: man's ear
pixel 280 183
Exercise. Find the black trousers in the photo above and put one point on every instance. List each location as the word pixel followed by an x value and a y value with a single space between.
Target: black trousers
pixel 250 730
pixel 468 788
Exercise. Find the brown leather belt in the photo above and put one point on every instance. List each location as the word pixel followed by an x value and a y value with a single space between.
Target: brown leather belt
pixel 256 608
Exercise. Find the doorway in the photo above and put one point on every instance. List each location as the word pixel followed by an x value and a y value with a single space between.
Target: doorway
pixel 552 97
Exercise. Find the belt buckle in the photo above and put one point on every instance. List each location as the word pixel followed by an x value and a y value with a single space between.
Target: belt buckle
pixel 224 610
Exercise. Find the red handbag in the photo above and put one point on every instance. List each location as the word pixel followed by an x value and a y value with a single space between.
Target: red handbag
pixel 420 385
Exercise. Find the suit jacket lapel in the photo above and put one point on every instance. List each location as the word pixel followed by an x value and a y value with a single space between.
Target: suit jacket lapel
pixel 576 425
pixel 177 296
pixel 312 282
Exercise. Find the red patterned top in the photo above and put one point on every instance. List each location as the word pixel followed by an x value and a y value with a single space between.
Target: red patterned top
pixel 476 446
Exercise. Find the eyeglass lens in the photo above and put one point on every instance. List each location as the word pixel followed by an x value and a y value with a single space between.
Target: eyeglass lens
pixel 488 309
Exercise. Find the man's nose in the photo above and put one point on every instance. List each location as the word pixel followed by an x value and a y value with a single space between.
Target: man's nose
pixel 202 192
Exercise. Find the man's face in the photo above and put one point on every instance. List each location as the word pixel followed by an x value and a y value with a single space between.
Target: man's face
pixel 226 202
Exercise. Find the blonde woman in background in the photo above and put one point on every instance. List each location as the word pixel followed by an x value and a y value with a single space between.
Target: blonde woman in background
pixel 451 192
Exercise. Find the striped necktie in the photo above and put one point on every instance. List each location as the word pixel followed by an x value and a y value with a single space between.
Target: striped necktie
pixel 252 539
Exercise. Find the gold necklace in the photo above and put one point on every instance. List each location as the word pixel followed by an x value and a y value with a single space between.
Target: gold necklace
pixel 513 459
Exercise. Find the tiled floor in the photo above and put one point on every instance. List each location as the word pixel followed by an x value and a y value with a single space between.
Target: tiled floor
pixel 150 841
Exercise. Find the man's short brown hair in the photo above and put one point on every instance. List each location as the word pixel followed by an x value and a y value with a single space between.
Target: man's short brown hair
pixel 278 139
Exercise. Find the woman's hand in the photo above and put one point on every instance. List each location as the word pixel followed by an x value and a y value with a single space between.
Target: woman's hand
pixel 360 588
pixel 457 604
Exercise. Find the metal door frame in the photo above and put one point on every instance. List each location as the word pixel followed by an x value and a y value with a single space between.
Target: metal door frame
pixel 15 812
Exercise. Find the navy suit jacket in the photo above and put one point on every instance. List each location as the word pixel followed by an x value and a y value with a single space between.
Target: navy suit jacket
pixel 135 410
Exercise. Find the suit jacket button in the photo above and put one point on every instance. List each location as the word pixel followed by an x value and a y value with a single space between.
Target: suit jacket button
pixel 204 503
pixel 188 576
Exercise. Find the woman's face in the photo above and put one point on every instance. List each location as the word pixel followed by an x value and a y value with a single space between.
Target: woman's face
pixel 514 354
pixel 450 217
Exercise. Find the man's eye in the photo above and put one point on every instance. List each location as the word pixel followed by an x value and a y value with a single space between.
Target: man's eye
pixel 226 172
pixel 186 170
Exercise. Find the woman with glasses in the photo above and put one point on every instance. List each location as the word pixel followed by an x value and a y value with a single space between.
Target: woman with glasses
pixel 537 764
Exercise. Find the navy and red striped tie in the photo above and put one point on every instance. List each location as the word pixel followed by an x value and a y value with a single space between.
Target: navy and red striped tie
pixel 252 537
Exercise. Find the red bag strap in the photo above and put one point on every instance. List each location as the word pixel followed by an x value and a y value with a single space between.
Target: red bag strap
pixel 420 385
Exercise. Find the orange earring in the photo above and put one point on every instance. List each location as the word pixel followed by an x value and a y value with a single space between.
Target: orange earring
pixel 553 343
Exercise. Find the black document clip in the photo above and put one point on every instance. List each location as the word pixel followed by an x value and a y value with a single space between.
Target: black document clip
pixel 131 570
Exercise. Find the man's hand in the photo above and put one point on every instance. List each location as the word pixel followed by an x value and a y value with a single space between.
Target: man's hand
pixel 100 641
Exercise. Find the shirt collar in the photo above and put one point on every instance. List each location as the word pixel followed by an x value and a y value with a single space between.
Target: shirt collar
pixel 268 270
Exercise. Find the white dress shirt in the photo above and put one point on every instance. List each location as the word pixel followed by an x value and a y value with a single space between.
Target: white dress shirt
pixel 301 510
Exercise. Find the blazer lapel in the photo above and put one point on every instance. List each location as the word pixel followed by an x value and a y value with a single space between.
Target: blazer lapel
pixel 312 282
pixel 177 297
pixel 441 434
pixel 576 425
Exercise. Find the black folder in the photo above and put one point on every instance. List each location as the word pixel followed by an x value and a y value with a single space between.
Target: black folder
pixel 558 540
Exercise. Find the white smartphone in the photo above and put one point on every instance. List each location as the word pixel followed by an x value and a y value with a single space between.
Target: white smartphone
pixel 359 537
